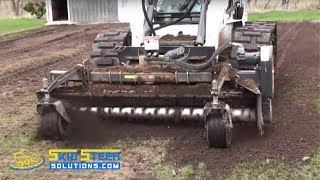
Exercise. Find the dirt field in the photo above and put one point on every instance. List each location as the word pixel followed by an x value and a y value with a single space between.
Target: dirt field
pixel 26 59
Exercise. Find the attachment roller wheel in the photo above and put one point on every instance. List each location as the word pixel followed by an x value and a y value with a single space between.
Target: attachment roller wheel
pixel 53 126
pixel 218 134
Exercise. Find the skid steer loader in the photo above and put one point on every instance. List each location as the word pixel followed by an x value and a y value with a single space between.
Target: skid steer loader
pixel 186 60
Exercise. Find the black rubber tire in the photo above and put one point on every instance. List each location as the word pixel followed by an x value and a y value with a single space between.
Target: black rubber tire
pixel 53 126
pixel 218 135
pixel 102 54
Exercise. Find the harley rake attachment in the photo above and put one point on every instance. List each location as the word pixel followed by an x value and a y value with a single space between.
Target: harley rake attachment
pixel 217 95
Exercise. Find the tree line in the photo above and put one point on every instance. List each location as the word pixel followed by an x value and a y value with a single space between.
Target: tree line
pixel 18 5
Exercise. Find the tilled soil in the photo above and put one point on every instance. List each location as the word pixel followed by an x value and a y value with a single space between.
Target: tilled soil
pixel 169 37
pixel 136 69
pixel 294 133
pixel 38 44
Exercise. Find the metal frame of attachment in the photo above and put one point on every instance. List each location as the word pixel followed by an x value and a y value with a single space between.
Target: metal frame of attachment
pixel 248 79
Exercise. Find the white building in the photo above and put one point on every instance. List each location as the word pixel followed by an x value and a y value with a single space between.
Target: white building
pixel 83 11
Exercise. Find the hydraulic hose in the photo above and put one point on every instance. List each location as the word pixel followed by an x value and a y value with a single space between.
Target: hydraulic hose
pixel 179 63
pixel 168 62
pixel 206 64
pixel 153 32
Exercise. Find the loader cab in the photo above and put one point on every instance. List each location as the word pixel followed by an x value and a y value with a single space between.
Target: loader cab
pixel 176 6
pixel 168 10
pixel 203 21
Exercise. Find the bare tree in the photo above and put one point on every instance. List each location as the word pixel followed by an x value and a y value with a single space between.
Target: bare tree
pixel 255 3
pixel 249 4
pixel 285 4
pixel 16 6
pixel 265 7
pixel 252 5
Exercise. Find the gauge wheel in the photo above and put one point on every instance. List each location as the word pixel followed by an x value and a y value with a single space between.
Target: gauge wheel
pixel 218 134
pixel 53 126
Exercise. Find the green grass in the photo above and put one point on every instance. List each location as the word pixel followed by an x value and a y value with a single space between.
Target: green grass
pixel 167 170
pixel 27 138
pixel 305 15
pixel 318 105
pixel 312 169
pixel 273 169
pixel 8 26
pixel 259 169
pixel 296 93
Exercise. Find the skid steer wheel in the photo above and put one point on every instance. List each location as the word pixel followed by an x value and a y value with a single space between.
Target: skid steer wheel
pixel 53 126
pixel 218 134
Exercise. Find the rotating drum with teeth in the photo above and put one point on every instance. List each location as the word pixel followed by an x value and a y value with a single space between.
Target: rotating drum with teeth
pixel 245 115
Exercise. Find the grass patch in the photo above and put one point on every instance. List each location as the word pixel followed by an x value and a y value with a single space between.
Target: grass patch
pixel 270 169
pixel 312 169
pixel 151 157
pixel 148 153
pixel 318 105
pixel 273 169
pixel 304 93
pixel 8 26
pixel 167 170
pixel 305 15
pixel 29 137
